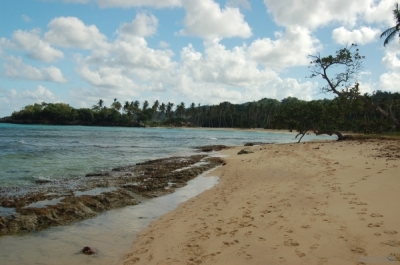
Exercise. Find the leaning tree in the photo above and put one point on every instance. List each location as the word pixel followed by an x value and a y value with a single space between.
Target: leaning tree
pixel 341 72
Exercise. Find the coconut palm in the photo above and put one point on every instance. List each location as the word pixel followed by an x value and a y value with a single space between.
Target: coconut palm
pixel 98 106
pixel 390 33
pixel 116 105
pixel 162 109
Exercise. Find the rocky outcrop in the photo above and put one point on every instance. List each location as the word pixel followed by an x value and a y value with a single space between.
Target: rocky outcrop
pixel 244 151
pixel 210 148
pixel 69 200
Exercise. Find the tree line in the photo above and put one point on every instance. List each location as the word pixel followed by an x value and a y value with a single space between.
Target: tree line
pixel 347 113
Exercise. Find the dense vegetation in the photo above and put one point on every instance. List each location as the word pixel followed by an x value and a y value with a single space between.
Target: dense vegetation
pixel 348 114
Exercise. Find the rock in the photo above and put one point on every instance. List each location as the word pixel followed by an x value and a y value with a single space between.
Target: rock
pixel 244 151
pixel 101 174
pixel 248 144
pixel 209 148
pixel 88 251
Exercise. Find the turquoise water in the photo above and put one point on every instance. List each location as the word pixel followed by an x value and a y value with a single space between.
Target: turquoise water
pixel 32 152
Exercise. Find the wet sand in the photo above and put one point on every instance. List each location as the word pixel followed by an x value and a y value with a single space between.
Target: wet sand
pixel 312 203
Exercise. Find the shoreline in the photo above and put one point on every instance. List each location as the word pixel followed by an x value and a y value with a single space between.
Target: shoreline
pixel 323 202
pixel 54 203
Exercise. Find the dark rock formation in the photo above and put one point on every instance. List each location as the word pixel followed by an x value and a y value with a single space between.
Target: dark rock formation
pixel 88 251
pixel 55 203
pixel 209 148
pixel 244 151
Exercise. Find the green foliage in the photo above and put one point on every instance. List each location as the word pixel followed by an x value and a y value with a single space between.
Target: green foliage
pixel 348 113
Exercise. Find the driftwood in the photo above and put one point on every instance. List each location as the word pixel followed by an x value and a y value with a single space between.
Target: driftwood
pixel 321 132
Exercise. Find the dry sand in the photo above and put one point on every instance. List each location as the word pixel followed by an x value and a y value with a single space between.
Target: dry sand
pixel 312 203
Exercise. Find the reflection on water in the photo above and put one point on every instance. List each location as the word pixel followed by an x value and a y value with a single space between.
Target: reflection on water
pixel 44 203
pixel 111 233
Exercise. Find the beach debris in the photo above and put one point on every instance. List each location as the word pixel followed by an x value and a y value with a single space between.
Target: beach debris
pixel 244 151
pixel 88 251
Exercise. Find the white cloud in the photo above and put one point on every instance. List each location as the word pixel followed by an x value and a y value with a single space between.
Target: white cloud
pixel 71 32
pixel 16 68
pixel 238 3
pixel 36 48
pixel 163 44
pixel 106 77
pixel 26 18
pixel 40 94
pixel 380 12
pixel 137 3
pixel 205 19
pixel 222 74
pixel 360 36
pixel 3 43
pixel 390 81
pixel 391 61
pixel 290 49
pixel 142 26
pixel 313 14
pixel 222 66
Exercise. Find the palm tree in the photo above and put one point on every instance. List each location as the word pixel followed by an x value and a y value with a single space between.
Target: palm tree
pixel 169 109
pixel 116 105
pixel 99 105
pixel 162 109
pixel 390 33
pixel 145 105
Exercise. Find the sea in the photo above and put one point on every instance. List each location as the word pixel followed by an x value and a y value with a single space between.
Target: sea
pixel 45 152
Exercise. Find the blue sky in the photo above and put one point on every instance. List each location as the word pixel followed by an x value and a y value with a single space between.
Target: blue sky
pixel 201 51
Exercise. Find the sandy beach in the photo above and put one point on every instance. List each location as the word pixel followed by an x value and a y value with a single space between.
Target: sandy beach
pixel 310 203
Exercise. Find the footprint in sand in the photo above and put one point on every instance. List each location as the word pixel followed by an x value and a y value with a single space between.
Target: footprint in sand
pixel 248 233
pixel 261 239
pixel 375 224
pixel 317 236
pixel 314 247
pixel 390 232
pixel 290 243
pixel 305 226
pixel 377 234
pixel 392 243
pixel 322 261
pixel 300 254
pixel 357 250
pixel 376 215
pixel 281 260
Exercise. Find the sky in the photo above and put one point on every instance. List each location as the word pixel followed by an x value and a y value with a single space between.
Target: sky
pixel 201 51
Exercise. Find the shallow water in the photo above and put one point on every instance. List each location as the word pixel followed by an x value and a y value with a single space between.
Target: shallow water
pixel 30 153
pixel 111 233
